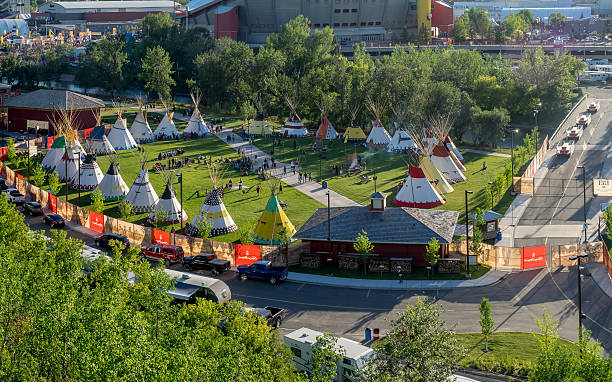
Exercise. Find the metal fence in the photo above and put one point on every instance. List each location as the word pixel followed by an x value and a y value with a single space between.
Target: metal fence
pixel 563 187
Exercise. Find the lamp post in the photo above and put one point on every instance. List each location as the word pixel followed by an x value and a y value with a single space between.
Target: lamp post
pixel 491 187
pixel 79 188
pixel 180 180
pixel 329 223
pixel 580 315
pixel 375 178
pixel 467 237
pixel 66 176
pixel 28 140
pixel 584 213
pixel 512 148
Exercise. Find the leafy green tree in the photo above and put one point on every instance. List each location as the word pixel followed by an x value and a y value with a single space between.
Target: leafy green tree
pixel 324 359
pixel 38 175
pixel 515 26
pixel 126 209
pixel 526 15
pixel 420 347
pixel 489 126
pixel 554 362
pixel 57 61
pixel 156 74
pixel 461 29
pixel 97 201
pixel 247 111
pixel 479 22
pixel 9 65
pixel 204 227
pixel 11 153
pixel 103 65
pixel 364 247
pixel 54 183
pixel 157 26
pixel 245 232
pixel 433 252
pixel 486 321
pixel 160 218
pixel 608 222
pixel 556 20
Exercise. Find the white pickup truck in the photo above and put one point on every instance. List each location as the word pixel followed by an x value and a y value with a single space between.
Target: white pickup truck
pixel 14 196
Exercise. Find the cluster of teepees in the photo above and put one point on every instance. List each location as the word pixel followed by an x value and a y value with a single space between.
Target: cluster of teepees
pixel 213 208
pixel 441 157
pixel 90 175
pixel 273 220
pixel 112 185
pixel 294 126
pixel 98 143
pixel 325 130
pixel 378 138
pixel 166 128
pixel 119 136
pixel 140 130
pixel 169 203
pixel 196 126
pixel 401 141
pixel 354 133
pixel 142 195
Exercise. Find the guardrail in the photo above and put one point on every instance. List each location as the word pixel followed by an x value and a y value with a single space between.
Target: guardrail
pixel 567 116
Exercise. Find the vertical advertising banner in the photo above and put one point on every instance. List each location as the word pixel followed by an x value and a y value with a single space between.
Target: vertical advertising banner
pixel 96 221
pixel 533 257
pixel 160 237
pixel 52 205
pixel 246 254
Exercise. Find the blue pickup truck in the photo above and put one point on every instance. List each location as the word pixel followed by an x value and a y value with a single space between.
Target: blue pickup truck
pixel 263 270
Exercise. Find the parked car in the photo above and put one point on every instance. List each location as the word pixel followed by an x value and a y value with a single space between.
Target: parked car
pixel 104 241
pixel 263 270
pixel 14 196
pixel 593 107
pixel 583 119
pixel 274 316
pixel 168 253
pixel 206 262
pixel 575 131
pixel 54 221
pixel 33 208
pixel 565 147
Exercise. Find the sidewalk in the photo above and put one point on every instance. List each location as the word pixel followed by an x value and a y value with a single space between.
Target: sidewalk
pixel 491 277
pixel 601 278
pixel 492 153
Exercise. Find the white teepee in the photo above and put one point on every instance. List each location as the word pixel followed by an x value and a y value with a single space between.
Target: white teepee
pixel 450 145
pixel 112 185
pixel 166 128
pixel 68 167
pixel 294 126
pixel 196 126
pixel 378 138
pixel 119 136
pixel 326 130
pixel 401 142
pixel 54 154
pixel 90 175
pixel 440 156
pixel 140 130
pixel 214 210
pixel 169 203
pixel 142 195
pixel 417 191
pixel 98 143
pixel 421 138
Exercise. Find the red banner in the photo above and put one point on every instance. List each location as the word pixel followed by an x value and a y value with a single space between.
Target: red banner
pixel 96 221
pixel 50 142
pixel 87 132
pixel 3 153
pixel 533 257
pixel 52 203
pixel 246 254
pixel 160 237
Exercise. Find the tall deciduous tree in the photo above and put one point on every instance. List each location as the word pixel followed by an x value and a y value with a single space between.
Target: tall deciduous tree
pixel 364 247
pixel 103 65
pixel 486 321
pixel 324 359
pixel 156 74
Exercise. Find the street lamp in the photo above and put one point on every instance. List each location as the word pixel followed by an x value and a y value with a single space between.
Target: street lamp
pixel 512 148
pixel 467 236
pixel 375 178
pixel 580 315
pixel 28 140
pixel 79 188
pixel 584 201
pixel 491 187
pixel 180 180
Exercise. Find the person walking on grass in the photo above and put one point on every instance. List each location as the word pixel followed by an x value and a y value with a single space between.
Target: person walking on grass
pixel 258 189
pixel 280 188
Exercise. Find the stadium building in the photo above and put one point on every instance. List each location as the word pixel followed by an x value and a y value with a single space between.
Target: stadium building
pixel 352 20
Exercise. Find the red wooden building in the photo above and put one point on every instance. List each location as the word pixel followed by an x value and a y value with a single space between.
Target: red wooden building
pixel 397 232
pixel 442 17
pixel 40 108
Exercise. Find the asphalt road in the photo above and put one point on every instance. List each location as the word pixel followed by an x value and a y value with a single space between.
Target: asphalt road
pixel 517 301
pixel 559 197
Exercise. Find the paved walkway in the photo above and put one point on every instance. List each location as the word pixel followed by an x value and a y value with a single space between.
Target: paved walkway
pixel 489 278
pixel 492 153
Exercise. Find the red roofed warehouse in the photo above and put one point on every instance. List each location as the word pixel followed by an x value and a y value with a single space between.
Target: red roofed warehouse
pixel 442 17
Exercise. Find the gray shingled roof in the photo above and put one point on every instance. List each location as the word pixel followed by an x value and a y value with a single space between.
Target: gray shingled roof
pixel 55 99
pixel 400 225
pixel 488 216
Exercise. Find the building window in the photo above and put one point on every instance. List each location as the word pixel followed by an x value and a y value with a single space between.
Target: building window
pixel 326 25
pixel 354 10
pixel 353 24
pixel 413 7
pixel 346 361
pixel 122 9
pixel 370 23
pixel 336 24
pixel 317 25
pixel 336 11
pixel 378 23
pixel 296 352
pixel 345 24
pixel 345 11
pixel 363 24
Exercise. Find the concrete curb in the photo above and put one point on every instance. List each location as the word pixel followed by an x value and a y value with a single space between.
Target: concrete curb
pixel 490 278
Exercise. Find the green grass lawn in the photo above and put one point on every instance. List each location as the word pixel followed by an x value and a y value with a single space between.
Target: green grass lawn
pixel 510 353
pixel 418 273
pixel 245 209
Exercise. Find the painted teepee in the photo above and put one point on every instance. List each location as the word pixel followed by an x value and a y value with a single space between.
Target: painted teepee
pixel 166 128
pixel 169 203
pixel 214 210
pixel 326 130
pixel 196 126
pixel 450 145
pixel 55 153
pixel 120 137
pixel 441 158
pixel 142 195
pixel 401 142
pixel 378 138
pixel 98 144
pixel 354 133
pixel 293 127
pixel 90 174
pixel 273 223
pixel 417 191
pixel 68 167
pixel 140 130
pixel 112 185
pixel 422 139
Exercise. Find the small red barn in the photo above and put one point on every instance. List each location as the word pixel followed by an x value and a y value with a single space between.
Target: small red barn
pixel 442 17
pixel 43 105
pixel 396 232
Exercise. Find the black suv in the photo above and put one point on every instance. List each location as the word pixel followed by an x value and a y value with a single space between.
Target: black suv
pixel 32 208
pixel 103 241
pixel 54 221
